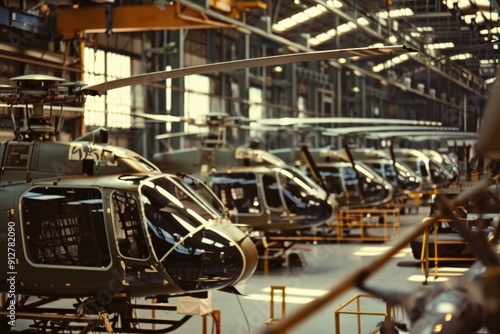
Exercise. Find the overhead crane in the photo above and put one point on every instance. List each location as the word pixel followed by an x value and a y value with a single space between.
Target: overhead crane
pixel 73 22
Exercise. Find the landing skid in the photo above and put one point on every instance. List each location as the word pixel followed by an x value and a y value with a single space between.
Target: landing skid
pixel 118 316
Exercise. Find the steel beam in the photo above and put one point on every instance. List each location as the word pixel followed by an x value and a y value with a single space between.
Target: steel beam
pixel 70 22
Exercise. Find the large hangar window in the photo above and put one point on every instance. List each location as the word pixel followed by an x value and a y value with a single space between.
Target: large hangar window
pixel 255 111
pixel 197 100
pixel 112 109
pixel 65 227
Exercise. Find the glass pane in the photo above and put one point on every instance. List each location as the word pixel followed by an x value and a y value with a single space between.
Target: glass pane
pixel 238 191
pixel 65 226
pixel 197 101
pixel 128 226
pixel 272 192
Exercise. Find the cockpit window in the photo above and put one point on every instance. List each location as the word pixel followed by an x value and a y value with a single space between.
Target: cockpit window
pixel 184 236
pixel 171 213
pixel 65 227
pixel 238 191
pixel 304 182
pixel 333 180
pixel 272 192
pixel 202 190
pixel 127 224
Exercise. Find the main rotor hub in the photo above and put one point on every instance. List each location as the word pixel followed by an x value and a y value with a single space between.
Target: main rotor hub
pixel 34 92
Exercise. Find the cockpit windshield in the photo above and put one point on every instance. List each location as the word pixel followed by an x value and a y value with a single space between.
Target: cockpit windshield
pixel 180 226
pixel 301 186
pixel 202 190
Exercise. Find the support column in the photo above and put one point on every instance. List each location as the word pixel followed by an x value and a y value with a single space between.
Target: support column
pixel 177 61
pixel 244 84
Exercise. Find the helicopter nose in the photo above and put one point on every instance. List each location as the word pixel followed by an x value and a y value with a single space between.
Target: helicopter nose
pixel 211 258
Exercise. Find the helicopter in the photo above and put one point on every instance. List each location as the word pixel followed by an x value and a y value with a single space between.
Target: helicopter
pixel 100 224
pixel 464 304
pixel 95 213
pixel 345 172
pixel 434 175
pixel 400 175
pixel 353 185
pixel 260 191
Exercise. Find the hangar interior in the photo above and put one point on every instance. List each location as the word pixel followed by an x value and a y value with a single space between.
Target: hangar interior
pixel 443 79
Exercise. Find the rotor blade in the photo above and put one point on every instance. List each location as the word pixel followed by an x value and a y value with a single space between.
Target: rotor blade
pixel 160 118
pixel 424 134
pixel 177 134
pixel 247 63
pixel 383 128
pixel 342 120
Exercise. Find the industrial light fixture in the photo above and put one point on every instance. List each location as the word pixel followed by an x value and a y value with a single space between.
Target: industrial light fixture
pixel 341 29
pixel 298 18
pixel 462 56
pixel 395 13
pixel 483 16
pixel 437 46
pixel 390 63
pixel 492 31
pixel 464 5
pixel 392 39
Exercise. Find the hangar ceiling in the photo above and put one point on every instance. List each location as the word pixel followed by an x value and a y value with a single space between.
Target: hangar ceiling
pixel 457 40
pixel 463 32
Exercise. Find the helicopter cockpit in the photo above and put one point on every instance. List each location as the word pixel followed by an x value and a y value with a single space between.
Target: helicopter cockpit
pixel 288 198
pixel 185 238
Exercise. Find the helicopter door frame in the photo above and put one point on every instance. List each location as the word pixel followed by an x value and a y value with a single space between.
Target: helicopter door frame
pixel 64 227
pixel 268 187
pixel 128 227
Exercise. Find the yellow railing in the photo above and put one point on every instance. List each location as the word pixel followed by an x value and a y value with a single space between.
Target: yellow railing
pixel 371 224
pixel 388 314
pixel 426 259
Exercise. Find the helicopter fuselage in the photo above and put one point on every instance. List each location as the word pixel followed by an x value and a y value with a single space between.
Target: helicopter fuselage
pixel 95 220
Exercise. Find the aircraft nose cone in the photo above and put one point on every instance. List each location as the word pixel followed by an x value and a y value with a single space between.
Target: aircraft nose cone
pixel 211 258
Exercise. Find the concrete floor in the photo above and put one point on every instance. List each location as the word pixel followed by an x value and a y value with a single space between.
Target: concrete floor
pixel 327 265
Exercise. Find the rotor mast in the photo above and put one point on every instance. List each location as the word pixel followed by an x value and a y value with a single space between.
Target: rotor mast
pixel 38 91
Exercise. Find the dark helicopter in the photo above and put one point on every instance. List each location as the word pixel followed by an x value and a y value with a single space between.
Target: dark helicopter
pixel 260 190
pixel 100 224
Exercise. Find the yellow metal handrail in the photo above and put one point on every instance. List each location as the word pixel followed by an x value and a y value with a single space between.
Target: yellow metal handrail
pixel 425 258
pixel 388 314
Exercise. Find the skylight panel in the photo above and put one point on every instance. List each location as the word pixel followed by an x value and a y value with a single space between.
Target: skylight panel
pixel 314 11
pixel 300 17
pixel 334 3
pixel 461 56
pixel 400 12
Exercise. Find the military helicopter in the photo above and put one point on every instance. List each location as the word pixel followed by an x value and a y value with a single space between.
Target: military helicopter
pixel 350 173
pixel 94 213
pixel 261 192
pixel 397 173
pixel 99 224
